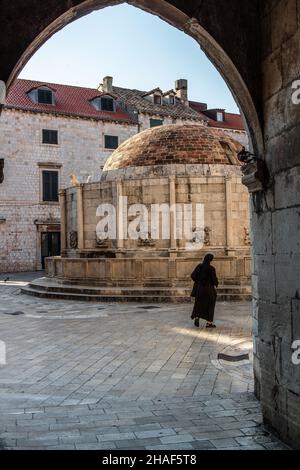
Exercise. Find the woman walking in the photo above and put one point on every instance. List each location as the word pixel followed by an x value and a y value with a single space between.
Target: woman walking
pixel 205 282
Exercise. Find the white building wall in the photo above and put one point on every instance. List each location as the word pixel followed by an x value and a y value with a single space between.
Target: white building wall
pixel 80 151
pixel 239 136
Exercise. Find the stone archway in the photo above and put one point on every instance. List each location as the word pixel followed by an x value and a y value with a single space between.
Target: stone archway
pixel 174 16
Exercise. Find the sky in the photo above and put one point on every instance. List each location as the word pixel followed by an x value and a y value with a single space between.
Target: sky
pixel 138 49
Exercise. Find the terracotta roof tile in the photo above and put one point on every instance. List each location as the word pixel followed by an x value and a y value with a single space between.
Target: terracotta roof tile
pixel 232 121
pixel 135 100
pixel 69 100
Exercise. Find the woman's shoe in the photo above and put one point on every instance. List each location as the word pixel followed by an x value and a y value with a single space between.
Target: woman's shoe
pixel 210 325
pixel 196 322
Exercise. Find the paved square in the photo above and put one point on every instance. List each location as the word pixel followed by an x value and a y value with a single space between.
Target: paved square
pixel 124 376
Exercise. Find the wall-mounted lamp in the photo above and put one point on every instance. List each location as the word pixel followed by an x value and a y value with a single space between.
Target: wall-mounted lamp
pixel 256 175
pixel 246 157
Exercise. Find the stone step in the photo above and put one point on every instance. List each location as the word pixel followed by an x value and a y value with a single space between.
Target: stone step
pixel 120 295
pixel 103 290
pixel 49 285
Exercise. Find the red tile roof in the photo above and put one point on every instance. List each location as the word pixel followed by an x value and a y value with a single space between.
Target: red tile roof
pixel 69 100
pixel 232 121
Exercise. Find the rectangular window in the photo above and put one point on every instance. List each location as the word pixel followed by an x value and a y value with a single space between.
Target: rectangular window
pixel 156 122
pixel 157 99
pixel 107 104
pixel 172 99
pixel 45 96
pixel 220 117
pixel 111 141
pixel 50 137
pixel 50 186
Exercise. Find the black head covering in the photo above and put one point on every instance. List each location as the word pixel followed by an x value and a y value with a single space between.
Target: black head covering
pixel 208 258
pixel 203 269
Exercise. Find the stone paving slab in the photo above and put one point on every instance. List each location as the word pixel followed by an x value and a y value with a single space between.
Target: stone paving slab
pixel 120 376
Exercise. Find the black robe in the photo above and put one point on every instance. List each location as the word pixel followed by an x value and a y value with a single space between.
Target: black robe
pixel 205 280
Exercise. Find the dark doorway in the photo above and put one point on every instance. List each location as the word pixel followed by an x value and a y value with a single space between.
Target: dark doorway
pixel 50 245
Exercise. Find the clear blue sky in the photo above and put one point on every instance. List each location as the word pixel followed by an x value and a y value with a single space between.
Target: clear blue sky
pixel 138 49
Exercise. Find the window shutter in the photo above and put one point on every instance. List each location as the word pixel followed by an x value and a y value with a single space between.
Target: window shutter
pixel 107 104
pixel 50 186
pixel 50 137
pixel 45 96
pixel 156 122
pixel 46 186
pixel 54 185
pixel 111 141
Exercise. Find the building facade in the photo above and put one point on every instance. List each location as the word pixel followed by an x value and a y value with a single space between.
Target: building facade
pixel 55 135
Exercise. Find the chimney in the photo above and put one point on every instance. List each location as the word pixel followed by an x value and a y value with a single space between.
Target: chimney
pixel 181 87
pixel 107 85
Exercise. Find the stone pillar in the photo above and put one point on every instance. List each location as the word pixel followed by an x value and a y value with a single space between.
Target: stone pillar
pixel 63 220
pixel 228 197
pixel 173 240
pixel 120 216
pixel 80 217
pixel 2 94
pixel 39 266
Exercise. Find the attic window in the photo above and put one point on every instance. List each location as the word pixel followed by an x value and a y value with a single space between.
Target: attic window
pixel 220 117
pixel 157 99
pixel 172 99
pixel 107 104
pixel 45 96
pixel 103 103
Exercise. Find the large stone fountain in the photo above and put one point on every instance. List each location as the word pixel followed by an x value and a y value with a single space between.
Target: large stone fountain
pixel 112 251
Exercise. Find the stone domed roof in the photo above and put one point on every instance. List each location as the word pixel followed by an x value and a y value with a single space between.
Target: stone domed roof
pixel 175 144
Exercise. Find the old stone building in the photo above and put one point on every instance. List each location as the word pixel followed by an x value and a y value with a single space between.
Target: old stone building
pixel 172 192
pixel 50 132
pixel 230 123
pixel 255 45
pixel 155 107
pixel 42 144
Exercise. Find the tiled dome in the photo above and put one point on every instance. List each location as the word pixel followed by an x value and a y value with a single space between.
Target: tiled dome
pixel 175 144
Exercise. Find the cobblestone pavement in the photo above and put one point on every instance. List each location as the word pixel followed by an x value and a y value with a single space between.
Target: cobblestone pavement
pixel 124 376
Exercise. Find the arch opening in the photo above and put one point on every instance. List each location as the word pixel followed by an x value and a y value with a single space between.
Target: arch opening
pixel 181 21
